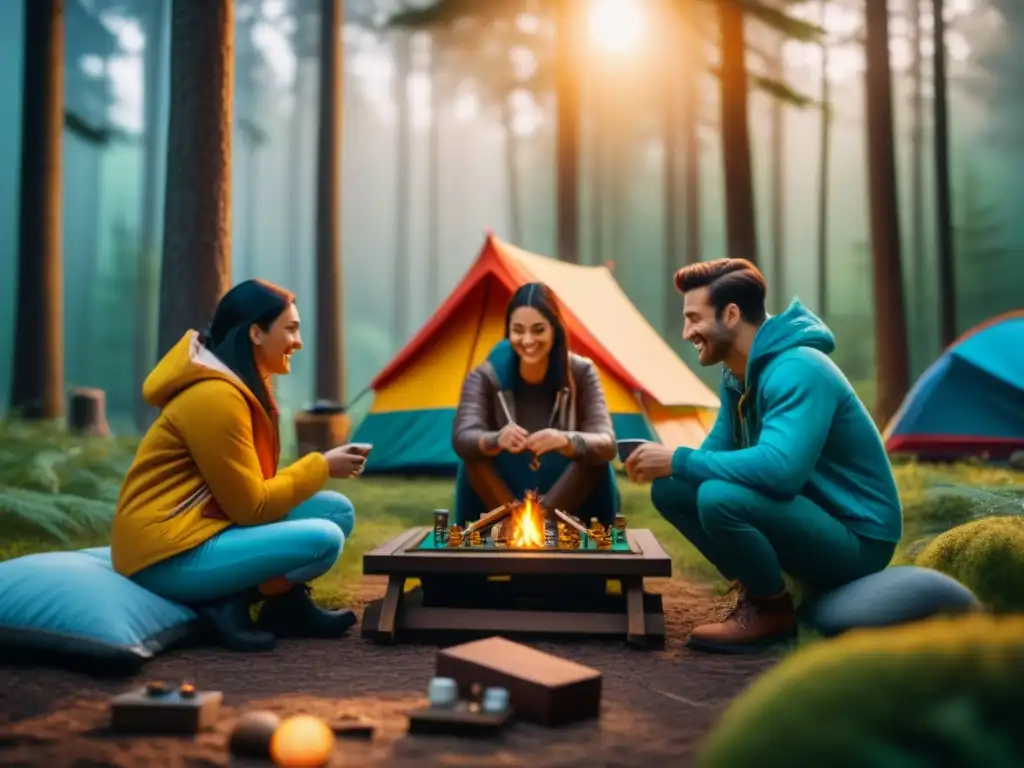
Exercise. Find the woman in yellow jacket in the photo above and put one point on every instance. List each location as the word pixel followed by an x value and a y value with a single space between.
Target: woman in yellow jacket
pixel 204 516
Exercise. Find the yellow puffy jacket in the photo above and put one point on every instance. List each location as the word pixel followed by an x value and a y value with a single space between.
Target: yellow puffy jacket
pixel 208 462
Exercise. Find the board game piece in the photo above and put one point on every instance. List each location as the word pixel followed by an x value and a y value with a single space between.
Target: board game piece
pixel 495 700
pixel 442 692
pixel 252 734
pixel 542 688
pixel 158 708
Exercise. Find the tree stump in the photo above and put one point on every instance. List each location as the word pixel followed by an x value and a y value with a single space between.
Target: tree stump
pixel 87 412
pixel 322 427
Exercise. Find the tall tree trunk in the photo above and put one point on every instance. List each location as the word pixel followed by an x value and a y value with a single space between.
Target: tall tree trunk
pixel 402 189
pixel 944 212
pixel 917 292
pixel 740 219
pixel 330 315
pixel 568 76
pixel 778 176
pixel 512 174
pixel 434 176
pixel 296 143
pixel 824 162
pixel 37 378
pixel 146 288
pixel 598 190
pixel 893 373
pixel 670 45
pixel 692 72
pixel 196 268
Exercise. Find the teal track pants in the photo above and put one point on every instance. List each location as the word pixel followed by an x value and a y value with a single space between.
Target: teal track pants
pixel 754 539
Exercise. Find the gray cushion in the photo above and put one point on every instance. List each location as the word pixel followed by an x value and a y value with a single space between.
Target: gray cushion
pixel 894 596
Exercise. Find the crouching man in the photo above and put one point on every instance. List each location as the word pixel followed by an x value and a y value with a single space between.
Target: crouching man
pixel 793 476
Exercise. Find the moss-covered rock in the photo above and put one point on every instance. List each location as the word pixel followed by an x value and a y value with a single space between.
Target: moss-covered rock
pixel 987 556
pixel 939 692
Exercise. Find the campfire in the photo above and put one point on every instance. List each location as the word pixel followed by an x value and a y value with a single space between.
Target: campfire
pixel 524 527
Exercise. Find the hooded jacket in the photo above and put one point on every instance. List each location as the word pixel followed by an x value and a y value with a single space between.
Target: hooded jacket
pixel 796 427
pixel 208 462
pixel 581 412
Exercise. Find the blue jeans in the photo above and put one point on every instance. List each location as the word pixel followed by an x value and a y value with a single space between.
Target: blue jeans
pixel 304 544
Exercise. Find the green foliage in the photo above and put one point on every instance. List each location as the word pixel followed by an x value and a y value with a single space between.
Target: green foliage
pixel 987 556
pixel 55 488
pixel 944 691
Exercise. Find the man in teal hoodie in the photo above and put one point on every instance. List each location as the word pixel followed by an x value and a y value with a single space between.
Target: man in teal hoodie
pixel 793 477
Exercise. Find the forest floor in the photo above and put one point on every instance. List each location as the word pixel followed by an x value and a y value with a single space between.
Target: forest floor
pixel 57 493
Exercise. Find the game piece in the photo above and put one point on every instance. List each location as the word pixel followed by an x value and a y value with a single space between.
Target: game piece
pixel 157 708
pixel 542 688
pixel 252 734
pixel 495 700
pixel 455 536
pixel 442 692
pixel 474 539
pixel 620 529
pixel 302 741
pixel 440 526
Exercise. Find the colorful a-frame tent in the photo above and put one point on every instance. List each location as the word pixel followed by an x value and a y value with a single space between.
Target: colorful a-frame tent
pixel 970 402
pixel 650 391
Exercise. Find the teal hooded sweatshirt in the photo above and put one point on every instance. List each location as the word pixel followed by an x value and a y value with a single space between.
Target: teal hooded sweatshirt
pixel 798 428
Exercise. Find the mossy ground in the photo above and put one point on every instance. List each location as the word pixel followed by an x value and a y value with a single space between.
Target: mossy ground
pixel 58 492
pixel 940 692
pixel 987 555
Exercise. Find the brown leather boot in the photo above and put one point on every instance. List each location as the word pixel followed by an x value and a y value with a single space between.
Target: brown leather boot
pixel 752 625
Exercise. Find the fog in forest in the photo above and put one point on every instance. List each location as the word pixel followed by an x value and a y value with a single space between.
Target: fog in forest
pixel 464 144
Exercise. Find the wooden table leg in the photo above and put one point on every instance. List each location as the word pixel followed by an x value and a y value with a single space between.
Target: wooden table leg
pixel 389 609
pixel 633 589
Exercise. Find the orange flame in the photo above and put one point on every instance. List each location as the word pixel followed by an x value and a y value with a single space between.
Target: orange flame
pixel 528 523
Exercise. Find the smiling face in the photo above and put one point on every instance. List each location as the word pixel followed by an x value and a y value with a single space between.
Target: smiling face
pixel 274 347
pixel 712 336
pixel 532 335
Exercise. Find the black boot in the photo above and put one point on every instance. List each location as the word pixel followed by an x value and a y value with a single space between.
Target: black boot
pixel 294 614
pixel 232 624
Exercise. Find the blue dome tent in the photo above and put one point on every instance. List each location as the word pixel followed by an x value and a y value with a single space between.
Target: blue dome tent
pixel 970 402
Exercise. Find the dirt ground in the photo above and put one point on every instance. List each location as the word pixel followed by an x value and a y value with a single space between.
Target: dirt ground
pixel 656 704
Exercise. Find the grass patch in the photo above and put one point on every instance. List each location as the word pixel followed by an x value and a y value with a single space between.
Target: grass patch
pixel 59 492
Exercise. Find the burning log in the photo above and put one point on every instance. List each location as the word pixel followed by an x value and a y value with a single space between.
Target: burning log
pixel 490 519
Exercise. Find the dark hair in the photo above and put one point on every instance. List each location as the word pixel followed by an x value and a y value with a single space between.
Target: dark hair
pixel 541 298
pixel 729 281
pixel 253 302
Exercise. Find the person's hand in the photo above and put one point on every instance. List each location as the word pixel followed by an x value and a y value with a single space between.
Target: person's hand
pixel 649 462
pixel 546 441
pixel 512 438
pixel 345 461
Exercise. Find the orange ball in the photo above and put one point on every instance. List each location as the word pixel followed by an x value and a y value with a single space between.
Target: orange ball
pixel 302 741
